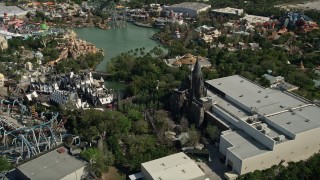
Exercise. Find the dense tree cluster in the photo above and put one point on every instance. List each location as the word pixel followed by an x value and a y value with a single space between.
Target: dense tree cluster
pixel 87 61
pixel 296 170
pixel 150 79
pixel 274 55
pixel 99 160
pixel 127 137
pixel 4 164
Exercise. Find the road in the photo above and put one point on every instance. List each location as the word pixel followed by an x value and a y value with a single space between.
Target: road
pixel 213 169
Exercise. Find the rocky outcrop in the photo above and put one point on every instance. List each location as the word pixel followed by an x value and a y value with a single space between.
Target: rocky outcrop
pixel 178 102
pixel 74 48
pixel 77 47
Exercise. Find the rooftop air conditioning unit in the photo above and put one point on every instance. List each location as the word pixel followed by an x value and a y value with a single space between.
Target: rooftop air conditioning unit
pixel 263 126
pixel 266 131
pixel 281 138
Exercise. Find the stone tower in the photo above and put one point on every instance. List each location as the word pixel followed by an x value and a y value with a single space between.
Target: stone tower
pixel 197 84
pixel 301 65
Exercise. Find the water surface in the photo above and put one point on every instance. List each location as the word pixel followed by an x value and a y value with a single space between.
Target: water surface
pixel 117 41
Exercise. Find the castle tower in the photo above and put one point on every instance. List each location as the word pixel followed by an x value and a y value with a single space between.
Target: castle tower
pixel 301 65
pixel 198 89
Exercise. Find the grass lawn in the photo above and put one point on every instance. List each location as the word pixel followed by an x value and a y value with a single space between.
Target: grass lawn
pixel 113 174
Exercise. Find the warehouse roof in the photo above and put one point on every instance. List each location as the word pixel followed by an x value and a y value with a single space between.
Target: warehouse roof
pixel 287 111
pixel 178 165
pixel 263 100
pixel 11 10
pixel 52 165
pixel 243 145
pixel 298 120
pixel 228 10
pixel 191 5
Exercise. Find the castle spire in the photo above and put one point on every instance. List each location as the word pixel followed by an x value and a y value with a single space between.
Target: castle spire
pixel 301 65
pixel 198 89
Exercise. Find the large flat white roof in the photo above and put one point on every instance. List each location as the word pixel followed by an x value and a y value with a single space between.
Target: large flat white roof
pixel 264 100
pixel 287 110
pixel 243 145
pixel 298 120
pixel 175 166
pixel 191 5
pixel 52 165
pixel 228 10
pixel 12 10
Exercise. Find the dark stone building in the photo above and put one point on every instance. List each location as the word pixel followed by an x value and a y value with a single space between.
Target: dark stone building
pixel 189 100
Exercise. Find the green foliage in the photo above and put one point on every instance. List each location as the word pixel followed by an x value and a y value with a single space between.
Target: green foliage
pixel 87 61
pixel 264 82
pixel 91 154
pixel 40 15
pixel 98 160
pixel 296 170
pixel 149 78
pixel 213 132
pixel 93 123
pixel 137 149
pixel 134 115
pixel 129 141
pixel 4 164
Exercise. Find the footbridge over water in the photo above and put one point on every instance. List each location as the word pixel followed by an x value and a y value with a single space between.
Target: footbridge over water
pixel 98 74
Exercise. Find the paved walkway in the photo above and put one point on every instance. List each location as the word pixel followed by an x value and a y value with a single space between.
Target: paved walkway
pixel 213 169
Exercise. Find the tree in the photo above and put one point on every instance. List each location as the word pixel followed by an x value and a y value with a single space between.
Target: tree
pixel 213 132
pixel 98 160
pixel 264 82
pixel 140 127
pixel 4 164
pixel 134 115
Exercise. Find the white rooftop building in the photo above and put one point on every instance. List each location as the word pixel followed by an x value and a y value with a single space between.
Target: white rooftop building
pixel 228 11
pixel 57 164
pixel 252 19
pixel 12 10
pixel 172 167
pixel 3 43
pixel 264 127
pixel 191 9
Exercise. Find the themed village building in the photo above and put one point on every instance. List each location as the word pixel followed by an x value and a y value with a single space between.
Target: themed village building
pixel 81 90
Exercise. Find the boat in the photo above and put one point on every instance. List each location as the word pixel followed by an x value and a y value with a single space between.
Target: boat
pixel 160 24
pixel 130 20
pixel 148 25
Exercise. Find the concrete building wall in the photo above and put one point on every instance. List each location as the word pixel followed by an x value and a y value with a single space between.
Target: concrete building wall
pixel 211 120
pixel 189 11
pixel 199 178
pixel 257 135
pixel 225 116
pixel 1 80
pixel 224 145
pixel 147 176
pixel 305 145
pixel 76 175
pixel 233 161
pixel 283 130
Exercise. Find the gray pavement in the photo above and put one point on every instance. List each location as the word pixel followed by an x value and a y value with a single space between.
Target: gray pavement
pixel 213 169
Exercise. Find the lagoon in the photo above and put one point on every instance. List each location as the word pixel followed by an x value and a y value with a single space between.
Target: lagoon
pixel 117 41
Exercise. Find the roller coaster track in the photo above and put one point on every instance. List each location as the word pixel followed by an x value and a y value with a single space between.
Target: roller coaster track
pixel 110 7
pixel 29 141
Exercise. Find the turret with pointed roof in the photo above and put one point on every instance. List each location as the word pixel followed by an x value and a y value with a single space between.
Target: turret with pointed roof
pixel 197 84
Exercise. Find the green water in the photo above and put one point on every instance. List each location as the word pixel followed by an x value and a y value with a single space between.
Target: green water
pixel 117 41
